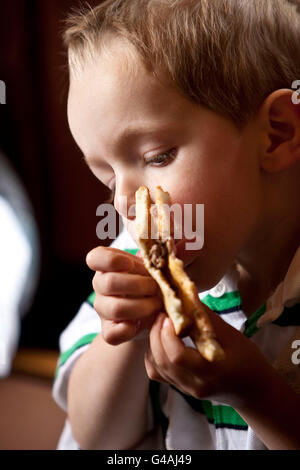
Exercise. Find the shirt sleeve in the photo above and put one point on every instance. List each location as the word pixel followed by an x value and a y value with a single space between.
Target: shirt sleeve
pixel 73 342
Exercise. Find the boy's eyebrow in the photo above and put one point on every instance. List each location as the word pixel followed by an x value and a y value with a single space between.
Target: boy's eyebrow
pixel 135 131
pixel 131 133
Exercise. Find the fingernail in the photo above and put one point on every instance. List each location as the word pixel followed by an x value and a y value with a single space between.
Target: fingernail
pixel 166 323
pixel 159 319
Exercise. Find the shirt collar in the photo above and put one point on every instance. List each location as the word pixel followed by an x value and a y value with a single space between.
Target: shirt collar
pixel 286 294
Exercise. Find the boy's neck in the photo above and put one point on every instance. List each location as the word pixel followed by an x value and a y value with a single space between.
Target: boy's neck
pixel 265 265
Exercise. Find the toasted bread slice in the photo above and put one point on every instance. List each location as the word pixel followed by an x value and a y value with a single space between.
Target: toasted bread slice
pixel 179 293
pixel 172 303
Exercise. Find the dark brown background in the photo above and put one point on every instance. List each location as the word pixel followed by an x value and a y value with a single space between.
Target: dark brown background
pixel 34 134
pixel 64 194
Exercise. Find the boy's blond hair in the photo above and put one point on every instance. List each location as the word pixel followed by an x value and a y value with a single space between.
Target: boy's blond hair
pixel 226 55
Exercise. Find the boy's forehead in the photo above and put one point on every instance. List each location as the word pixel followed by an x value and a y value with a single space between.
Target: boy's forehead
pixel 118 74
pixel 106 97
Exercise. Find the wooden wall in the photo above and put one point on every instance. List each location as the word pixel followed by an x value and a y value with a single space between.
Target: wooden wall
pixel 35 136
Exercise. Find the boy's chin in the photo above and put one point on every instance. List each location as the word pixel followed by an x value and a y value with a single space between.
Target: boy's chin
pixel 186 256
pixel 196 265
pixel 199 275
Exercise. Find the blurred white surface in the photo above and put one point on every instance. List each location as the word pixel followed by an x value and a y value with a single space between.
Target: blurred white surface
pixel 19 262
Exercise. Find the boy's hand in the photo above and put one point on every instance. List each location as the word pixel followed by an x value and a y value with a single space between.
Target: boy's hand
pixel 127 298
pixel 234 381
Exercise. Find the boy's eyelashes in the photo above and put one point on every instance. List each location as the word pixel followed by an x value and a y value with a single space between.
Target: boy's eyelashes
pixel 163 158
pixel 159 160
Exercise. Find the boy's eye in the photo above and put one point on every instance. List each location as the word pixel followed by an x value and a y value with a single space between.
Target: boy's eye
pixel 162 159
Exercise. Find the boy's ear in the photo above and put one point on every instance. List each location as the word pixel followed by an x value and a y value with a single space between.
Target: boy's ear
pixel 280 120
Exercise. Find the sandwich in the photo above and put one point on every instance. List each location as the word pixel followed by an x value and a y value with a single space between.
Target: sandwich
pixel 155 237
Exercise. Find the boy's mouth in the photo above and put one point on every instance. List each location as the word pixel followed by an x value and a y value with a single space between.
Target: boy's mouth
pixel 187 256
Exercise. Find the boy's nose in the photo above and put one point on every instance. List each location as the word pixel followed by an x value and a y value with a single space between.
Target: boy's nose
pixel 125 205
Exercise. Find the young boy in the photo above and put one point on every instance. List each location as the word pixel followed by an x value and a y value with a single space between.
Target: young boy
pixel 200 97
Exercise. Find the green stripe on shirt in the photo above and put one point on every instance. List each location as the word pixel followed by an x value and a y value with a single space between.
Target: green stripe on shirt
pixel 227 301
pixel 133 251
pixel 87 339
pixel 223 416
pixel 250 327
pixel 91 299
pixel 231 300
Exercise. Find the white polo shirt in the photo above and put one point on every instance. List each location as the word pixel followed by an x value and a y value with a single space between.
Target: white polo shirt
pixel 181 421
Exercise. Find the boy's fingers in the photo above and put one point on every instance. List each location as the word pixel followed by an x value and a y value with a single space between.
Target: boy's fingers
pixel 131 285
pixel 166 347
pixel 114 260
pixel 157 350
pixel 225 333
pixel 104 259
pixel 173 346
pixel 120 309
pixel 151 370
pixel 117 333
pixel 181 355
